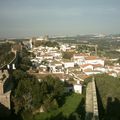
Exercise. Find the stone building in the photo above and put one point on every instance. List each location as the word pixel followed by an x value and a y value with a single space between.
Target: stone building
pixel 4 92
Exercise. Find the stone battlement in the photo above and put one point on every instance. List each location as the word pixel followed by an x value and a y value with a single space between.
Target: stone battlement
pixel 4 95
pixel 92 112
pixel 3 75
pixel 5 99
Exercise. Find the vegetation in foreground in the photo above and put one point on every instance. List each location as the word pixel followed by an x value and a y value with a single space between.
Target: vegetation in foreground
pixel 72 109
pixel 29 95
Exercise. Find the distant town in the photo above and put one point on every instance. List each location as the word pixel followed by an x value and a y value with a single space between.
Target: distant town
pixel 60 77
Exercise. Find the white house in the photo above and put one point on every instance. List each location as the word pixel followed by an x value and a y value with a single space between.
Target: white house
pixel 30 42
pixel 91 72
pixel 86 66
pixel 65 47
pixel 78 88
pixel 68 64
pixel 57 55
pixel 94 60
pixel 39 57
pixel 56 67
pixel 47 56
pixel 43 68
pixel 52 68
pixel 102 69
pixel 80 58
pixel 114 74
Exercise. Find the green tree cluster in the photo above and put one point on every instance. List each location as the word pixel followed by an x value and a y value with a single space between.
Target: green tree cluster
pixel 5 53
pixel 47 43
pixel 31 94
pixel 24 62
pixel 85 48
pixel 67 55
pixel 112 54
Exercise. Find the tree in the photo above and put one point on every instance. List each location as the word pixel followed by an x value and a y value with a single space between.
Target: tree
pixel 30 94
pixel 5 53
pixel 16 76
pixel 67 55
pixel 24 62
pixel 47 43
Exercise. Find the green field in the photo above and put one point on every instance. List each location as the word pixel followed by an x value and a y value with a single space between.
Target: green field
pixel 71 104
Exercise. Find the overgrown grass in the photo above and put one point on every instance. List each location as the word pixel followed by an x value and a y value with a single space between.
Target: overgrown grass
pixel 71 104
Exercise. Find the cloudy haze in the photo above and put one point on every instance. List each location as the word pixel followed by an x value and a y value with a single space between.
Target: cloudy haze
pixel 22 18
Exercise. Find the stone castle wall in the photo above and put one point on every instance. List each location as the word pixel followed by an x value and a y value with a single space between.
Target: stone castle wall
pixel 4 96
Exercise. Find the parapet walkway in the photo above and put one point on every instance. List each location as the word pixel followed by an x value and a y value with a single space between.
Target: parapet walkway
pixel 91 102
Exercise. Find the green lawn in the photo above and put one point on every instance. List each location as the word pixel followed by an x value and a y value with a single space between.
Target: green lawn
pixel 70 106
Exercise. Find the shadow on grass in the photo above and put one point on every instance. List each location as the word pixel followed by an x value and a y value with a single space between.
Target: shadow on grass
pixel 112 109
pixel 61 100
pixel 79 113
pixel 100 105
pixel 81 109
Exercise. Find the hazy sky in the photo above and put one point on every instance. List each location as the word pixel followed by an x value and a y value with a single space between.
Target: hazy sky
pixel 23 18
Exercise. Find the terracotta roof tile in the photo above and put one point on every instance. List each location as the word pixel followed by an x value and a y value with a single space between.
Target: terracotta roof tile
pixel 91 58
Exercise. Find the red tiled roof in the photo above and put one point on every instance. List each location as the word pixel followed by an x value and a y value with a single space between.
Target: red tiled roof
pixel 84 77
pixel 94 65
pixel 91 58
pixel 85 65
pixel 81 54
pixel 88 70
pixel 97 65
